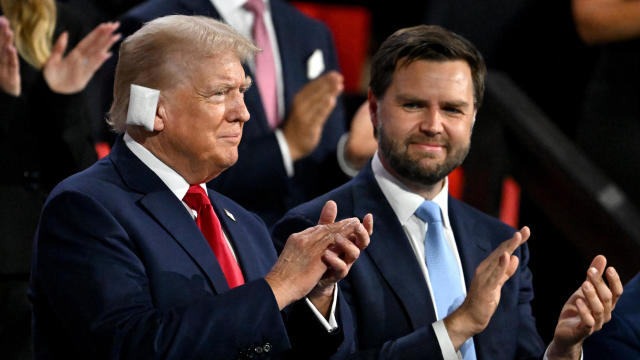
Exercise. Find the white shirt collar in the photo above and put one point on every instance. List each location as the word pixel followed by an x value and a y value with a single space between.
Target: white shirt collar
pixel 226 8
pixel 174 181
pixel 403 201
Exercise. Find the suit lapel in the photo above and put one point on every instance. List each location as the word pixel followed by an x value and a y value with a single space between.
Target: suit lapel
pixel 391 251
pixel 253 260
pixel 169 212
pixel 473 246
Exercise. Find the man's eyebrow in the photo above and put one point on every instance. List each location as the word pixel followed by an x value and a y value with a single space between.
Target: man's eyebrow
pixel 455 103
pixel 409 98
pixel 247 82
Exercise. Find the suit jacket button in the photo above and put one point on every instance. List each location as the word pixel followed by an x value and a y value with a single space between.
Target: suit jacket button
pixel 266 347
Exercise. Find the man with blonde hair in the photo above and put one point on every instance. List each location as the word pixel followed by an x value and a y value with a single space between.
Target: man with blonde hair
pixel 136 258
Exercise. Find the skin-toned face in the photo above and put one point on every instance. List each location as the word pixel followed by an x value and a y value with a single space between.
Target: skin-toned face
pixel 424 122
pixel 201 118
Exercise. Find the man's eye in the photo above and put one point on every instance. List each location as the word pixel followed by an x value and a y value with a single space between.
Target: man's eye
pixel 452 110
pixel 411 106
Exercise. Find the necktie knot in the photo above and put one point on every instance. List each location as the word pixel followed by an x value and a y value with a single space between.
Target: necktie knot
pixel 196 198
pixel 429 212
pixel 255 6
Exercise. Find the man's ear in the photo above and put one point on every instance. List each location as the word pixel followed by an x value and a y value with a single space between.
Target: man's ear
pixel 373 108
pixel 161 116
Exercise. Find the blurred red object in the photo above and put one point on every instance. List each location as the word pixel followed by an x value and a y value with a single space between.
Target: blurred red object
pixel 102 149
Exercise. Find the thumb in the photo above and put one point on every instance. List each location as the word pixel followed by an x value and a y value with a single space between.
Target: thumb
pixel 59 47
pixel 329 213
pixel 599 262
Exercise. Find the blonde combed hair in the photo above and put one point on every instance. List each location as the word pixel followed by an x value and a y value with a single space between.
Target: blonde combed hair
pixel 33 23
pixel 165 51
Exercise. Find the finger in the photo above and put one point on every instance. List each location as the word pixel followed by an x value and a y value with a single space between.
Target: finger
pixel 58 49
pixel 368 223
pixel 599 262
pixel 338 268
pixel 594 304
pixel 360 237
pixel 588 321
pixel 12 57
pixel 328 213
pixel 6 36
pixel 615 285
pixel 519 238
pixel 505 246
pixel 602 291
pixel 514 261
pixel 496 272
pixel 346 249
pixel 96 37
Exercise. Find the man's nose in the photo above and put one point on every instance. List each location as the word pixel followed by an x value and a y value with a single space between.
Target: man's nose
pixel 431 122
pixel 238 110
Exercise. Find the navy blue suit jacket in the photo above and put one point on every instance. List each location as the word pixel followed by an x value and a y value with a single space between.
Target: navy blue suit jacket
pixel 387 291
pixel 620 337
pixel 268 191
pixel 121 270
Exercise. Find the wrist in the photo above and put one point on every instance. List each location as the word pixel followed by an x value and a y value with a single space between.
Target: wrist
pixel 294 150
pixel 557 351
pixel 283 293
pixel 459 327
pixel 321 298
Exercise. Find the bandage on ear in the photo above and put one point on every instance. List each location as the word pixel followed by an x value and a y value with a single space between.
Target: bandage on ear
pixel 143 103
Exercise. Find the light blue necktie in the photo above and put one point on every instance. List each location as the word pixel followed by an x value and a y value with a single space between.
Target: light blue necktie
pixel 443 269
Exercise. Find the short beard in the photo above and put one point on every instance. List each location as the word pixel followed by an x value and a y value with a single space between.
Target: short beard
pixel 397 155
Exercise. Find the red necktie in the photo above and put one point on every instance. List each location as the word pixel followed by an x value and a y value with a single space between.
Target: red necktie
pixel 209 224
pixel 265 63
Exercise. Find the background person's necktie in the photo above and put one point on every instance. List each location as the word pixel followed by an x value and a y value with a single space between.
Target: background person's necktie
pixel 208 222
pixel 443 269
pixel 265 63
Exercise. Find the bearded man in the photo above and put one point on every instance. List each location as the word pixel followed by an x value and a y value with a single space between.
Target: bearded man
pixel 441 279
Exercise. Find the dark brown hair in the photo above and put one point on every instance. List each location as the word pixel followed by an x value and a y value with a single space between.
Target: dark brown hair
pixel 425 42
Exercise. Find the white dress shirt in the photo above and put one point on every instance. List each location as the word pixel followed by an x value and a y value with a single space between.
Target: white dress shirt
pixel 404 203
pixel 179 187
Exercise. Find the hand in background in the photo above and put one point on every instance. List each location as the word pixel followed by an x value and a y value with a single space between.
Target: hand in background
pixel 70 74
pixel 9 64
pixel 586 310
pixel 484 292
pixel 311 108
pixel 361 144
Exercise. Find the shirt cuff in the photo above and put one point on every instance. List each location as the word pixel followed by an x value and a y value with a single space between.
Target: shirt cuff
pixel 546 351
pixel 344 164
pixel 286 154
pixel 332 324
pixel 448 351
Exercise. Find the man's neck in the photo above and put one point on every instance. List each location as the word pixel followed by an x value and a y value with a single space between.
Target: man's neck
pixel 428 192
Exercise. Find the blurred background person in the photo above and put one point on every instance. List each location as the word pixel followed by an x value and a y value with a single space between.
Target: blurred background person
pixel 620 337
pixel 609 124
pixel 44 134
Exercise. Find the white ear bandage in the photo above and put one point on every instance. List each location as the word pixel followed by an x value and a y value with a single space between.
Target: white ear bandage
pixel 143 103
